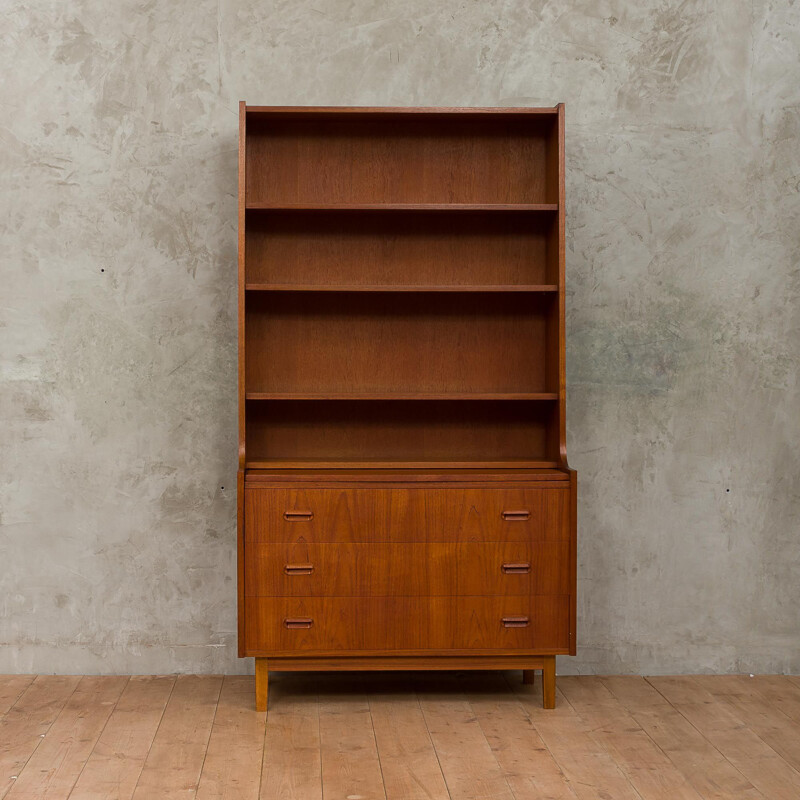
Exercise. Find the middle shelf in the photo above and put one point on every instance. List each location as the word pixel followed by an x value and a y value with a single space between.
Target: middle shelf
pixel 401 396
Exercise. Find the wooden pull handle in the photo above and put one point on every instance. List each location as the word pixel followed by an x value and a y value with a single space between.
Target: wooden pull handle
pixel 298 516
pixel 298 569
pixel 516 516
pixel 516 569
pixel 515 622
pixel 295 623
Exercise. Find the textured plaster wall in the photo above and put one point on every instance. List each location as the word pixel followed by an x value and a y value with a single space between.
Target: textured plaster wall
pixel 118 249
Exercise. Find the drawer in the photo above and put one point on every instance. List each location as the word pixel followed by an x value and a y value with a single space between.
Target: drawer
pixel 407 515
pixel 290 625
pixel 311 569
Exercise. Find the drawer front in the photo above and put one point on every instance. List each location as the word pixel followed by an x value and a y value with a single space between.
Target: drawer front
pixel 310 569
pixel 407 515
pixel 335 624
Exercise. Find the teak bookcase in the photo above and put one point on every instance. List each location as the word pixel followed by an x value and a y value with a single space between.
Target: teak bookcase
pixel 404 496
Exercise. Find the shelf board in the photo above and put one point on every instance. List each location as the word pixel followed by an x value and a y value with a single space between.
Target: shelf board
pixel 452 288
pixel 255 206
pixel 401 395
pixel 482 465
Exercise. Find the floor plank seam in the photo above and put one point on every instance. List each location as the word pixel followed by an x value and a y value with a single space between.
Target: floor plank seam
pixel 700 733
pixel 377 749
pixel 155 735
pixel 590 730
pixel 208 740
pixel 100 736
pixel 430 739
pixel 43 736
pixel 530 719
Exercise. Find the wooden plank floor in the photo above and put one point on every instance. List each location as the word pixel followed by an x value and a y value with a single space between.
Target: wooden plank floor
pixel 400 736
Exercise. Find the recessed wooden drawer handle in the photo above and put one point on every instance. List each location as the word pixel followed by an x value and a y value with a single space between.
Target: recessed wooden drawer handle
pixel 298 516
pixel 295 623
pixel 298 569
pixel 515 622
pixel 516 515
pixel 516 569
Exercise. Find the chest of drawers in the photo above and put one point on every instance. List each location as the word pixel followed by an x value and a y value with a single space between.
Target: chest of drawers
pixel 381 571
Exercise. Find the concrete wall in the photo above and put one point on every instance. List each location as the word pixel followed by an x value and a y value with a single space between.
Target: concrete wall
pixel 118 211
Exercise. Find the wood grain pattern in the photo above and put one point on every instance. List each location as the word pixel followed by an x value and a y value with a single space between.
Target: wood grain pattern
pixel 409 764
pixel 57 762
pixel 418 159
pixel 529 769
pixel 390 342
pixel 706 769
pixel 435 569
pixel 402 308
pixel 173 765
pixel 27 722
pixel 648 769
pixel 349 754
pixel 341 624
pixel 292 763
pixel 399 735
pixel 113 768
pixel 407 515
pixel 731 735
pixel 447 250
pixel 467 761
pixel 232 766
pixel 590 770
pixel 11 689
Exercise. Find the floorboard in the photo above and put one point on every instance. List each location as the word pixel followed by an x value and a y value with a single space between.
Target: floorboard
pixel 113 768
pixel 708 771
pixel 409 765
pixel 400 736
pixel 53 769
pixel 173 765
pixel 232 767
pixel 292 761
pixel 27 722
pixel 732 736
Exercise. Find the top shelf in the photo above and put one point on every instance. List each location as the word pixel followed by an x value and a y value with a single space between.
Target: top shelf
pixel 449 207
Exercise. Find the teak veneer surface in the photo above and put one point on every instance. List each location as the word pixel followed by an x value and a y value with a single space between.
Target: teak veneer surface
pixel 407 515
pixel 432 569
pixel 412 160
pixel 447 250
pixel 319 342
pixel 404 498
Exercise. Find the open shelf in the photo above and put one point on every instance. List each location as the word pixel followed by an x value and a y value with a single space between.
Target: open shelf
pixel 387 344
pixel 401 396
pixel 458 251
pixel 447 432
pixel 412 161
pixel 402 289
pixel 311 287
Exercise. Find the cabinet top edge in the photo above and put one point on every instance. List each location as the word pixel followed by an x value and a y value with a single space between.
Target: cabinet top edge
pixel 411 110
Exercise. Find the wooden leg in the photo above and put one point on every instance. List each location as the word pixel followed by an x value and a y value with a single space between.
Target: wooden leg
pixel 262 684
pixel 527 676
pixel 549 682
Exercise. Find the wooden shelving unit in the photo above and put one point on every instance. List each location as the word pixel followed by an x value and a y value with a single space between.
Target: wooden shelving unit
pixel 401 308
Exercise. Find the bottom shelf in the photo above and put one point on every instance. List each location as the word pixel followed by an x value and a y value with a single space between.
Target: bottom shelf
pixel 437 434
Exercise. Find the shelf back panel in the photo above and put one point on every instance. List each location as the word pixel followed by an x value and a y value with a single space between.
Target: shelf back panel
pixel 374 248
pixel 417 159
pixel 383 342
pixel 399 431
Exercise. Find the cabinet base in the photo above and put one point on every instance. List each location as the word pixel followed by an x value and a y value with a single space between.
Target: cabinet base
pixel 528 664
